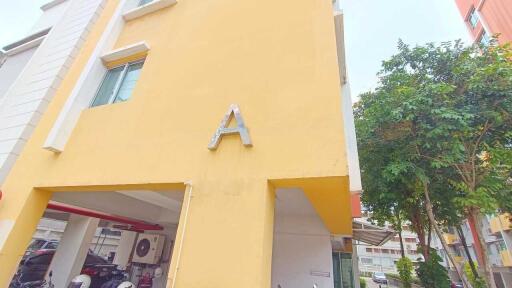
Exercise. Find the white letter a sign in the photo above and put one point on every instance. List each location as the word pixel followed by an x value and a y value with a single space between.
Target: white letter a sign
pixel 234 111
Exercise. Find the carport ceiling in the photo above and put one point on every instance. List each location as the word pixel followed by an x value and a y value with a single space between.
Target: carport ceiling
pixel 152 206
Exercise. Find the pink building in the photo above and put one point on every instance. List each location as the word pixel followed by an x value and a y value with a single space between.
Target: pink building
pixel 485 18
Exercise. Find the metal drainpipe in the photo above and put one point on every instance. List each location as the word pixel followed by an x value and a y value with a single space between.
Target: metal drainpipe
pixel 188 194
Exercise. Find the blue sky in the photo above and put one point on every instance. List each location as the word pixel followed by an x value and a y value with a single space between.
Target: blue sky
pixel 372 29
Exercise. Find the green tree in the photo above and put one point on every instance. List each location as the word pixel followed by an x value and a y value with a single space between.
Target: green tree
pixel 442 118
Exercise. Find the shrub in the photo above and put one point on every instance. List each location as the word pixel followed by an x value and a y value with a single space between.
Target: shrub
pixel 362 282
pixel 404 266
pixel 432 274
pixel 475 282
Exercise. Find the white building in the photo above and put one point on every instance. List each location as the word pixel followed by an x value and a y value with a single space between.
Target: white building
pixel 32 68
pixel 383 257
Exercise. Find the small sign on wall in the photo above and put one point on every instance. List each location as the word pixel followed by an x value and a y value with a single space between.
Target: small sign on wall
pixel 320 273
pixel 233 112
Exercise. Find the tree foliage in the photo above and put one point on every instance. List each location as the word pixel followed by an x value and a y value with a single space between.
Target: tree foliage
pixel 432 274
pixel 435 137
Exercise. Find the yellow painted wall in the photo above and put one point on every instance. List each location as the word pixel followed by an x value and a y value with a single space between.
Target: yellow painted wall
pixel 277 60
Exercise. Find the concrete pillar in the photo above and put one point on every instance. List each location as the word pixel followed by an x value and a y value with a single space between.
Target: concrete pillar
pixel 21 209
pixel 355 265
pixel 124 249
pixel 224 237
pixel 73 247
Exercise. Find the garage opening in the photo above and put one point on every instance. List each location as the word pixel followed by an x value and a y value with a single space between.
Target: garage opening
pixel 305 254
pixel 110 236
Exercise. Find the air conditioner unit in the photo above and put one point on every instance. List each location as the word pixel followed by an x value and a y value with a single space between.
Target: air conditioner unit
pixel 148 249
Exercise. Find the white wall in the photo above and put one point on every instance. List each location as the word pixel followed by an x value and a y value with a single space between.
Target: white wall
pixel 51 15
pixel 302 252
pixel 12 67
pixel 27 98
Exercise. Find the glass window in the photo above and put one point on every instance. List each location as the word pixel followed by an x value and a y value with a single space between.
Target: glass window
pixel 369 250
pixel 485 39
pixel 128 83
pixel 144 2
pixel 118 84
pixel 473 18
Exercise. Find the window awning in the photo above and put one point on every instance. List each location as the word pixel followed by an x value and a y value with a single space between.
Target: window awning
pixel 371 234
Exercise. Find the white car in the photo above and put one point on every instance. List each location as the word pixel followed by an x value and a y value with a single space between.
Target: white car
pixel 379 277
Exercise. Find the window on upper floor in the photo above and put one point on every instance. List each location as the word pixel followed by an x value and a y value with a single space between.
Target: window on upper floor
pixel 144 2
pixel 118 84
pixel 484 39
pixel 473 18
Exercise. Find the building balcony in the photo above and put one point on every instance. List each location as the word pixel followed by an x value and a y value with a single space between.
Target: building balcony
pixel 450 238
pixel 458 259
pixel 500 223
pixel 506 259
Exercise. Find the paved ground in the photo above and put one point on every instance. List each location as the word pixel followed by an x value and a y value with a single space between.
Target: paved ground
pixel 371 284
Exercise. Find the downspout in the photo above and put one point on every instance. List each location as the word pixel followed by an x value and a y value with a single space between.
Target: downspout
pixel 183 222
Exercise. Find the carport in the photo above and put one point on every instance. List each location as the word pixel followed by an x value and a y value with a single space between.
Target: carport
pixel 135 213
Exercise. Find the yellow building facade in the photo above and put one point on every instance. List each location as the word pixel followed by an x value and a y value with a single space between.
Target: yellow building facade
pixel 277 61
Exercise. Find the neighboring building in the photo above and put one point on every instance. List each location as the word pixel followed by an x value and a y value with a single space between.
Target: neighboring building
pixel 498 236
pixel 115 123
pixel 485 18
pixel 32 68
pixel 383 257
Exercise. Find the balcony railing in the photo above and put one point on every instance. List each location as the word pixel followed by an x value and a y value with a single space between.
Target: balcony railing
pixel 506 259
pixel 500 223
pixel 450 239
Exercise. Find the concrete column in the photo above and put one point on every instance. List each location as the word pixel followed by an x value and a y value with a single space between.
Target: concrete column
pixel 73 247
pixel 224 237
pixel 124 250
pixel 355 265
pixel 20 211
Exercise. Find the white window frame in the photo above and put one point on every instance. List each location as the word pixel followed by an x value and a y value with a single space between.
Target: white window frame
pixel 120 80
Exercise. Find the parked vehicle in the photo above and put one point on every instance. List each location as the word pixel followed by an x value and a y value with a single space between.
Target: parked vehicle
pixel 456 285
pixel 33 268
pixel 379 277
pixel 41 244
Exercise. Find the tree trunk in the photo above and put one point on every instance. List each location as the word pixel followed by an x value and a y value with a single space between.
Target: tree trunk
pixel 466 250
pixel 399 228
pixel 402 251
pixel 488 275
pixel 419 229
pixel 439 233
pixel 429 235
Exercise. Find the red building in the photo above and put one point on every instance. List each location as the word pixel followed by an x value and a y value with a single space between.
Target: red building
pixel 485 18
